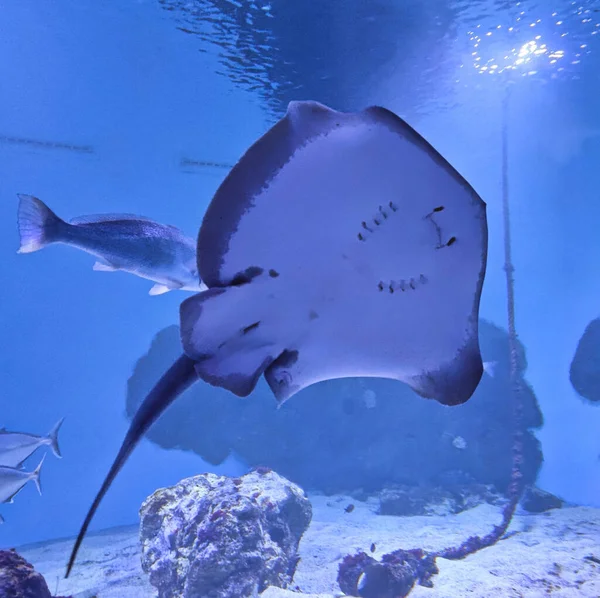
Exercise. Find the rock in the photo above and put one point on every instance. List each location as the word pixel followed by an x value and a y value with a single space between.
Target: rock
pixel 407 501
pixel 223 537
pixel 18 578
pixel 585 367
pixel 393 577
pixel 273 592
pixel 403 439
pixel 537 501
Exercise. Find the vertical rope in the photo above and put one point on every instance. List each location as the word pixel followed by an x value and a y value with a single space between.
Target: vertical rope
pixel 417 565
pixel 475 543
pixel 514 491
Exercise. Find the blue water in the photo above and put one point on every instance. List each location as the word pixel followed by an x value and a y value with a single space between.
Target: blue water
pixel 125 80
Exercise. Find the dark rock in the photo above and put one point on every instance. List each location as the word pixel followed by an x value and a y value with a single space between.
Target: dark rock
pixel 358 494
pixel 393 577
pixel 430 500
pixel 585 367
pixel 537 501
pixel 221 537
pixel 18 578
pixel 390 436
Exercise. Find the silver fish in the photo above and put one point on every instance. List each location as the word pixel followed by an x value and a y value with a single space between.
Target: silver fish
pixel 16 447
pixel 13 480
pixel 134 244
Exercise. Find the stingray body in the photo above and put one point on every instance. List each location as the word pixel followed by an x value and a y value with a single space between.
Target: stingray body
pixel 340 245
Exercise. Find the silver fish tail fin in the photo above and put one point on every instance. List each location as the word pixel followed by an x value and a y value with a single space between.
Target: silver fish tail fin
pixel 35 476
pixel 38 224
pixel 53 438
pixel 175 381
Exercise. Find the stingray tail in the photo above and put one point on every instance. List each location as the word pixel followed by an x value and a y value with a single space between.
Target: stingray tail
pixel 38 224
pixel 53 438
pixel 176 380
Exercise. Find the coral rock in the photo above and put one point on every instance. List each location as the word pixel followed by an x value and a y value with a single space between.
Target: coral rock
pixel 18 579
pixel 223 537
pixel 272 592
pixel 428 500
pixel 585 370
pixel 393 577
pixel 536 500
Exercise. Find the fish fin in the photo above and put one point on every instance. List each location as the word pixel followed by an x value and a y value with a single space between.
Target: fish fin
pixel 96 218
pixel 36 476
pixel 231 345
pixel 104 267
pixel 53 438
pixel 159 289
pixel 38 224
pixel 489 367
pixel 175 381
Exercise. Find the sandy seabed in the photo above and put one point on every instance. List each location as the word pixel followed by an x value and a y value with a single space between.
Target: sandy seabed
pixel 556 553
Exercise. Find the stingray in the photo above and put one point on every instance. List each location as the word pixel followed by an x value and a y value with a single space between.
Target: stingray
pixel 339 245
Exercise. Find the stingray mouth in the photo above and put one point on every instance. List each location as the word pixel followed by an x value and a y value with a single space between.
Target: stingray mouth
pixel 442 241
pixel 279 376
pixel 282 378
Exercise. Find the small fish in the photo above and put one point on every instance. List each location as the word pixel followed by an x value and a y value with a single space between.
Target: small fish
pixel 459 442
pixel 125 242
pixel 13 480
pixel 16 447
pixel 373 547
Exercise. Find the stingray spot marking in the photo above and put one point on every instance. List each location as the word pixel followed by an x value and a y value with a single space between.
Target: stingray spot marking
pixel 247 329
pixel 246 276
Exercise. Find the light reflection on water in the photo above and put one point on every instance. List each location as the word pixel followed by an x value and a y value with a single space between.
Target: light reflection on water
pixel 339 51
